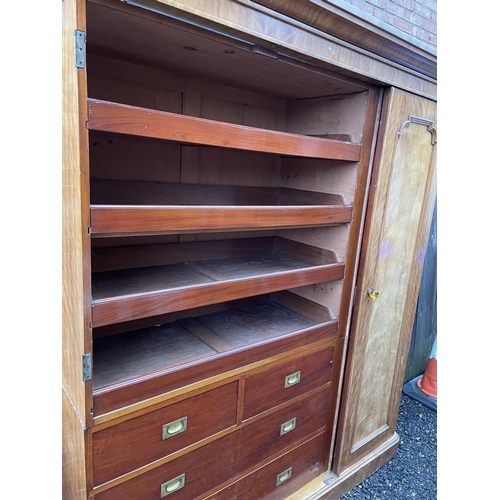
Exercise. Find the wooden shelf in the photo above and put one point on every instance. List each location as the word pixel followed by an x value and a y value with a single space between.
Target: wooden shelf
pixel 242 268
pixel 132 120
pixel 194 346
pixel 121 207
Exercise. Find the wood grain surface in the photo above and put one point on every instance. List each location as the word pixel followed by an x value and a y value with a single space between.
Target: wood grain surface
pixel 219 461
pixel 305 462
pixel 127 446
pixel 113 117
pixel 401 202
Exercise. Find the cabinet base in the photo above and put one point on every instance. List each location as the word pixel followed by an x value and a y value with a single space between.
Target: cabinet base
pixel 329 486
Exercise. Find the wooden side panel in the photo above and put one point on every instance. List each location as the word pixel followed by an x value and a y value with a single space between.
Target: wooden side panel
pixel 76 334
pixel 401 202
pixel 327 176
pixel 351 182
pixel 73 453
pixel 73 242
pixel 76 246
pixel 327 116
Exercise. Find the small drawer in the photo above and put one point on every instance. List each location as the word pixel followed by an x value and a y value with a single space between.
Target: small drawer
pixel 285 427
pixel 217 462
pixel 136 442
pixel 281 383
pixel 282 476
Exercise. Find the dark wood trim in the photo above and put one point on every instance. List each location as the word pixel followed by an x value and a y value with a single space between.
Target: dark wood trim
pixel 361 30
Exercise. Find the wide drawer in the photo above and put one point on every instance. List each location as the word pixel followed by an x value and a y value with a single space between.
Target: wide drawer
pixel 286 381
pixel 133 364
pixel 281 477
pixel 136 442
pixel 203 469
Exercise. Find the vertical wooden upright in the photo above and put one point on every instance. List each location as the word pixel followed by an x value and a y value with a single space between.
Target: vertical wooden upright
pixel 400 211
pixel 76 394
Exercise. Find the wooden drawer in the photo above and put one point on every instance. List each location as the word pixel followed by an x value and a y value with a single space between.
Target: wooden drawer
pixel 139 441
pixel 136 362
pixel 281 477
pixel 217 462
pixel 286 381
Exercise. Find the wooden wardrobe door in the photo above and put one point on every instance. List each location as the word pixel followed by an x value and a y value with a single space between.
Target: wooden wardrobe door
pixel 400 208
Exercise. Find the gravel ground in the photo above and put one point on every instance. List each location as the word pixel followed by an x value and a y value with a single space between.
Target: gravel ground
pixel 412 473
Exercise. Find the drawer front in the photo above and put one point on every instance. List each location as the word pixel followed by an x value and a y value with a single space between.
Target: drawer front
pixel 282 476
pixel 217 462
pixel 136 442
pixel 283 428
pixel 281 383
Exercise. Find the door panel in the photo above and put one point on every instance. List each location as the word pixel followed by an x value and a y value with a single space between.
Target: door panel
pixel 402 197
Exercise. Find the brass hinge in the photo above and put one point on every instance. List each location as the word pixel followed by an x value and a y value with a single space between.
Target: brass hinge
pixel 87 367
pixel 80 55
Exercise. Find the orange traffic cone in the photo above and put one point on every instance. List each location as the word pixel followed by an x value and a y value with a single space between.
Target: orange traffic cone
pixel 428 383
pixel 424 387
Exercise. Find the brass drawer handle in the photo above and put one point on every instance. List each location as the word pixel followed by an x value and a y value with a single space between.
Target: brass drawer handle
pixel 173 485
pixel 292 379
pixel 285 475
pixel 288 426
pixel 373 294
pixel 174 428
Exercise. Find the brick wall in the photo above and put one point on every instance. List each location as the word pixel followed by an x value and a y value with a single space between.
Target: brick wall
pixel 415 18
